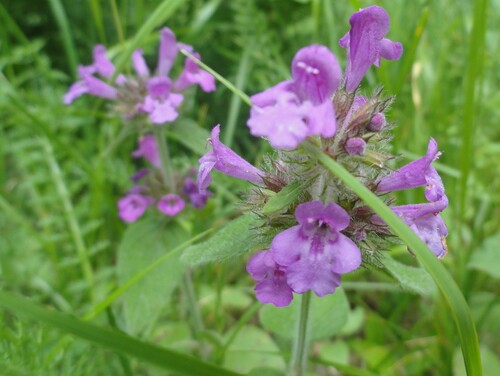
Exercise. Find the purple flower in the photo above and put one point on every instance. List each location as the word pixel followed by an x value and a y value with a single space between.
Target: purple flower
pixel 225 160
pixel 416 174
pixel 366 44
pixel 139 175
pixel 132 206
pixel 148 149
pixel 160 102
pixel 271 280
pixel 293 110
pixel 171 204
pixel 423 219
pixel 198 199
pixel 89 84
pixel 314 252
pixel 192 74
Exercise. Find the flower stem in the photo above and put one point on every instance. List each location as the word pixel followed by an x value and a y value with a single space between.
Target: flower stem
pixel 298 363
pixel 166 165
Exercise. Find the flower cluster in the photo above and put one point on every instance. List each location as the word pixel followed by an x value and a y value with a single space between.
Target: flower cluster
pixel 157 95
pixel 149 188
pixel 324 230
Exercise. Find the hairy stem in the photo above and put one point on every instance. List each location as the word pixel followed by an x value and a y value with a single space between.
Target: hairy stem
pixel 298 363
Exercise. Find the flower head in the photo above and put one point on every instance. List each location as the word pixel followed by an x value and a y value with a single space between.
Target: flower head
pixel 366 44
pixel 225 160
pixel 192 74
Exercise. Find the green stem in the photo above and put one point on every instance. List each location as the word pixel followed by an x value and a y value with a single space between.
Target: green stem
pixel 298 363
pixel 166 164
pixel 194 310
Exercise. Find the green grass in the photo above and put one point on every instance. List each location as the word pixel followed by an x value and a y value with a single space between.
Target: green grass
pixel 64 168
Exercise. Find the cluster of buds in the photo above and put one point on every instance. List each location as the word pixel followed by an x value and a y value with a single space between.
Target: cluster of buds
pixel 325 230
pixel 158 96
pixel 149 187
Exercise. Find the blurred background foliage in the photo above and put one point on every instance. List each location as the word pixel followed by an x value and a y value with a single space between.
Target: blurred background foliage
pixel 63 169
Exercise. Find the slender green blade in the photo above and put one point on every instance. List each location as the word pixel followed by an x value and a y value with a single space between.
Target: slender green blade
pixel 65 31
pixel 147 352
pixel 450 290
pixel 161 13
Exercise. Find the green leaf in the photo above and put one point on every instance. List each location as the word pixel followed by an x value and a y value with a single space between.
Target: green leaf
pixel 190 134
pixel 284 197
pixel 485 258
pixel 161 357
pixel 253 348
pixel 491 362
pixel 143 243
pixel 459 308
pixel 411 279
pixel 327 316
pixel 232 241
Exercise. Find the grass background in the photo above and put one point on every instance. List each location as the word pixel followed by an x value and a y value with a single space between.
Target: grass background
pixel 62 172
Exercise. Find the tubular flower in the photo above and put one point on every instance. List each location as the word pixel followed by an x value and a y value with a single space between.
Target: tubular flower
pixel 132 206
pixel 225 160
pixel 366 44
pixel 171 204
pixel 148 149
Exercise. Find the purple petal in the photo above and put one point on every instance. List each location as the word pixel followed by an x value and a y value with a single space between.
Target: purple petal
pixel 163 112
pixel 316 74
pixel 377 123
pixel 321 120
pixel 148 149
pixel 366 44
pixel 76 90
pixel 270 96
pixel 345 255
pixel 139 64
pixel 283 123
pixel 192 74
pixel 207 163
pixel 167 51
pixel 132 207
pixel 159 87
pixel 275 291
pixel 99 88
pixel 390 50
pixel 288 246
pixel 102 64
pixel 171 204
pixel 227 162
pixel 310 274
pixel 432 230
pixel 311 213
pixel 271 287
pixel 413 174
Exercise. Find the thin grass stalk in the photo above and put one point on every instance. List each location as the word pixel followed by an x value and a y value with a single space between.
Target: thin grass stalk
pixel 176 362
pixel 65 33
pixel 70 214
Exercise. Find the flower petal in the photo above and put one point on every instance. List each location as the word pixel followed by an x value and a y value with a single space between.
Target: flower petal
pixel 316 74
pixel 139 63
pixel 167 51
pixel 289 245
pixel 312 274
pixel 345 255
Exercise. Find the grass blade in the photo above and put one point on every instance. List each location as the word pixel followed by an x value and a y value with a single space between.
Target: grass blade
pixel 160 15
pixel 452 294
pixel 65 32
pixel 147 352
